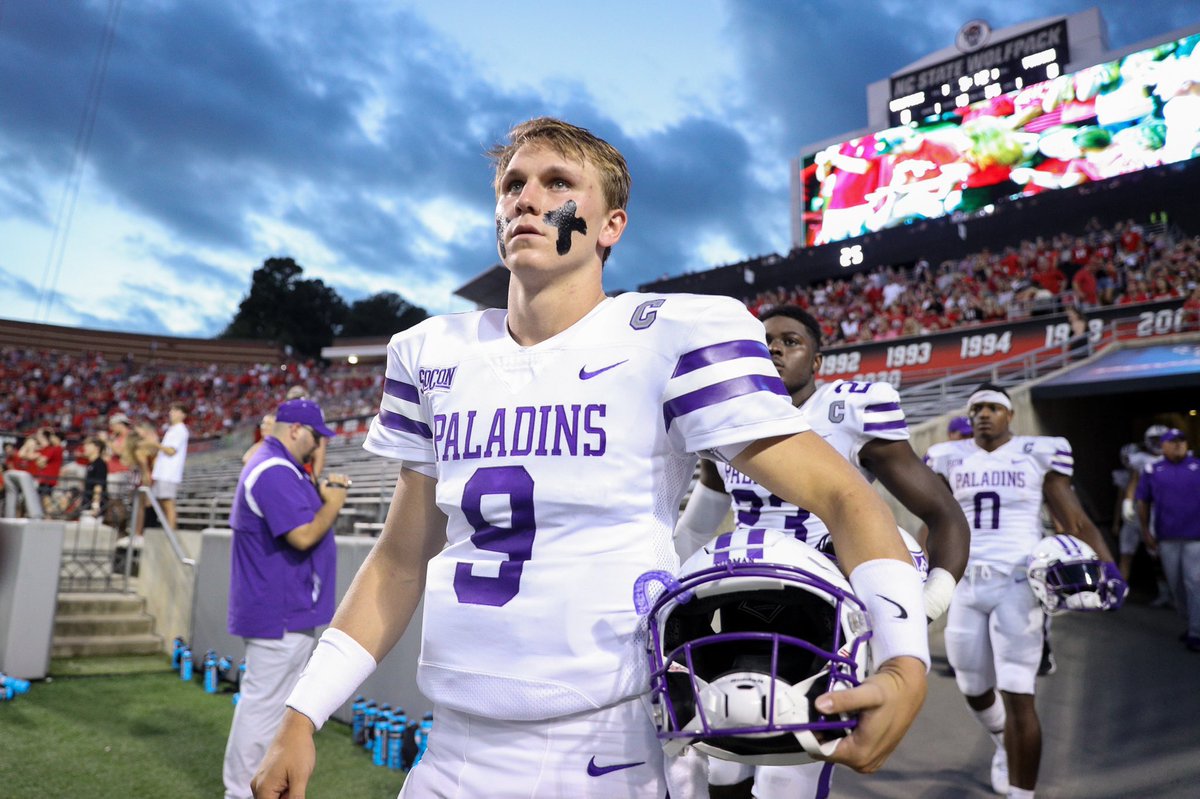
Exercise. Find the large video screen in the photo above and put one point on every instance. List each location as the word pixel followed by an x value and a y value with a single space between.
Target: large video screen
pixel 1121 116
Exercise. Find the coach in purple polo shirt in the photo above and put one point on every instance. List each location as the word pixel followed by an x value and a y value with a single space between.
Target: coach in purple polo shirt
pixel 281 578
pixel 1171 485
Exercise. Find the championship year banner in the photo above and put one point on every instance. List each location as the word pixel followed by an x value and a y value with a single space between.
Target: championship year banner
pixel 917 360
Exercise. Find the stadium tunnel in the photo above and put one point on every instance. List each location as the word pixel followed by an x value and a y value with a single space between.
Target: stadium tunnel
pixel 1109 401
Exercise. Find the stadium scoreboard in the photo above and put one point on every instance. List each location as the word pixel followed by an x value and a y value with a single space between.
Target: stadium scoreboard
pixel 983 70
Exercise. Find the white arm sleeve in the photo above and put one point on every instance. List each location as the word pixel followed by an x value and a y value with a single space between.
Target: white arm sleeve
pixel 701 518
pixel 336 669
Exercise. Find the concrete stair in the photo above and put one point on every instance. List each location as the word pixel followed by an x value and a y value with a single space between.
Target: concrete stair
pixel 94 624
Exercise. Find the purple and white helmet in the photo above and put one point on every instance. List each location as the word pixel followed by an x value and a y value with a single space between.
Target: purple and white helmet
pixel 755 628
pixel 1067 574
pixel 1153 438
pixel 920 559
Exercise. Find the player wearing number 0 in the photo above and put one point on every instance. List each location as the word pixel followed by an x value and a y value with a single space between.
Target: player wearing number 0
pixel 865 424
pixel 994 626
pixel 545 451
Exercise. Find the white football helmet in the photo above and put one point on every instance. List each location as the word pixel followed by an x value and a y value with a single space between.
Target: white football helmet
pixel 1067 574
pixel 757 626
pixel 1153 438
pixel 920 560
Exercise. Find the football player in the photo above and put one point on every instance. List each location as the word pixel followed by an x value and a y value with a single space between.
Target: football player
pixel 865 424
pixel 994 625
pixel 545 450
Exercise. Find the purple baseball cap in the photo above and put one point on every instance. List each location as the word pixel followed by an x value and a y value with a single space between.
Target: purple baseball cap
pixel 1174 434
pixel 305 412
pixel 960 425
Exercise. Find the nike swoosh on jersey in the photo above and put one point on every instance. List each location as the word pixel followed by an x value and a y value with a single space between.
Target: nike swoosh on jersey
pixel 584 374
pixel 903 613
pixel 599 771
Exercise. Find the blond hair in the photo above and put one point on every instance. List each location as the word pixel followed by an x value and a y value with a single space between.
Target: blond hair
pixel 573 142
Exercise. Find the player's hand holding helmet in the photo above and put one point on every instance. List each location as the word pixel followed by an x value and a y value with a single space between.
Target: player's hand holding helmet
pixel 755 628
pixel 1067 574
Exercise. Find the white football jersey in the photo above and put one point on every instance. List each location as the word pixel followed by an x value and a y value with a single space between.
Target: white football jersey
pixel 560 468
pixel 1000 492
pixel 847 415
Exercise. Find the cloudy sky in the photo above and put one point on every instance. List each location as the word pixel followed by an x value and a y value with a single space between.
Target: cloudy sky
pixel 349 135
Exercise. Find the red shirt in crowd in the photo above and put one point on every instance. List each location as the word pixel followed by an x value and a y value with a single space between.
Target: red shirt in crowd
pixel 1084 284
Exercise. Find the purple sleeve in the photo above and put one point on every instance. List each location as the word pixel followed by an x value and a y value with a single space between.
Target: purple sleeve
pixel 1144 491
pixel 286 500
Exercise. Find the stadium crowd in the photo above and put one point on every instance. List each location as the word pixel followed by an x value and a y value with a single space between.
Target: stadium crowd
pixel 1124 264
pixel 76 394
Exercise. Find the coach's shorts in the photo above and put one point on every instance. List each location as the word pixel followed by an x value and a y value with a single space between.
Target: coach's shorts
pixel 164 489
pixel 994 632
pixel 610 753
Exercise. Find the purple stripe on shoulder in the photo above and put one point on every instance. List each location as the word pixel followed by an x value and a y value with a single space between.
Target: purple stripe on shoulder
pixel 400 390
pixel 715 353
pixel 719 392
pixel 1062 452
pixel 396 421
pixel 882 407
pixel 898 424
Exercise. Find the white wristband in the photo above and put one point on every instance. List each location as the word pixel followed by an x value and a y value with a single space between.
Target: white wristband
pixel 891 591
pixel 337 667
pixel 939 590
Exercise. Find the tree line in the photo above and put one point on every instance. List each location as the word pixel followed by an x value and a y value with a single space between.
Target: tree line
pixel 305 315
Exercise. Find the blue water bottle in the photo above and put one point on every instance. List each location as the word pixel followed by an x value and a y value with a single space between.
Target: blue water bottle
pixel 423 736
pixel 210 672
pixel 185 664
pixel 369 715
pixel 357 716
pixel 176 652
pixel 15 686
pixel 383 723
pixel 395 757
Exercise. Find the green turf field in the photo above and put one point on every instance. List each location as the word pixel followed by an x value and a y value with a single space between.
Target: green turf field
pixel 145 733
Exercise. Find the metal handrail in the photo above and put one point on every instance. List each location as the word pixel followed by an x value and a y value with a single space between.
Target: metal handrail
pixel 172 538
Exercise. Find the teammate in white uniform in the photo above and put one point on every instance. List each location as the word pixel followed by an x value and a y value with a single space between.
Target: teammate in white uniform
pixel 546 450
pixel 994 627
pixel 865 423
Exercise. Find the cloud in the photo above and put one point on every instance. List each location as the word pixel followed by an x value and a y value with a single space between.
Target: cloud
pixel 357 131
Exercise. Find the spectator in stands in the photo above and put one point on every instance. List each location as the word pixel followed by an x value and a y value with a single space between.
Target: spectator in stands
pixel 1077 345
pixel 141 449
pixel 50 460
pixel 264 429
pixel 120 476
pixel 1170 487
pixel 1085 285
pixel 282 584
pixel 1191 309
pixel 95 481
pixel 20 483
pixel 168 464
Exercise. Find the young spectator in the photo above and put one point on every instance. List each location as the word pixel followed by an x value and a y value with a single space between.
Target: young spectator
pixel 168 465
pixel 95 481
pixel 20 483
